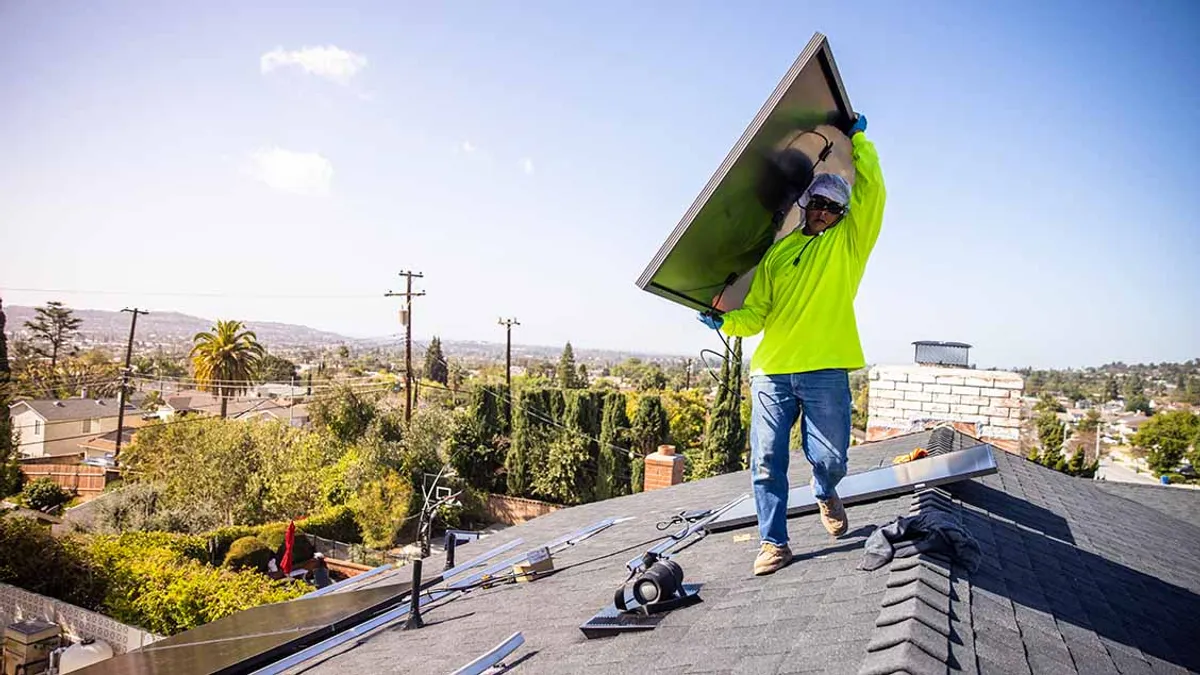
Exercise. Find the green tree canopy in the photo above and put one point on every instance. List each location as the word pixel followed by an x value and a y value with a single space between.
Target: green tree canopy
pixel 1047 403
pixel 225 360
pixel 612 479
pixel 272 368
pixel 1091 421
pixel 1169 437
pixel 54 327
pixel 436 366
pixel 1111 391
pixel 567 372
pixel 1138 403
pixel 650 429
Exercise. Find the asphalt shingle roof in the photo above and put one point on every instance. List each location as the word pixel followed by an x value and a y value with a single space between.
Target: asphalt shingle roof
pixel 72 408
pixel 1074 579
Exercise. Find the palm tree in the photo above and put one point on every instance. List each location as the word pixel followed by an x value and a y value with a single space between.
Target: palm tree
pixel 225 360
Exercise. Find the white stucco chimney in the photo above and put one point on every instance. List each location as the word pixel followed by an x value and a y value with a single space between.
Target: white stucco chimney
pixel 985 404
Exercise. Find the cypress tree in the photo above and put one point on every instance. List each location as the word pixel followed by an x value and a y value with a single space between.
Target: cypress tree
pixel 566 476
pixel 612 471
pixel 436 367
pixel 567 372
pixel 650 429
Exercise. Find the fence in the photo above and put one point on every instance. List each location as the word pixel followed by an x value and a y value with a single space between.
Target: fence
pixel 356 553
pixel 86 481
pixel 515 510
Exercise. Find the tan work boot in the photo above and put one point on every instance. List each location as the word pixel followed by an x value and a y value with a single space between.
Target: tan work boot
pixel 833 515
pixel 771 558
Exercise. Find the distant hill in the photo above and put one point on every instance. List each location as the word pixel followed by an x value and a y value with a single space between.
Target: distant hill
pixel 168 328
pixel 172 329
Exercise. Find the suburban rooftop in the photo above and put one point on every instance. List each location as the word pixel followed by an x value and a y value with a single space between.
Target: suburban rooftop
pixel 1076 577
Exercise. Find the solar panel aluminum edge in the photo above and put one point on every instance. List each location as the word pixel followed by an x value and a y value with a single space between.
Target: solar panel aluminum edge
pixel 732 222
pixel 878 483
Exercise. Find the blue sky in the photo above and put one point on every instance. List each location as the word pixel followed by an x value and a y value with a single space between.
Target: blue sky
pixel 1040 160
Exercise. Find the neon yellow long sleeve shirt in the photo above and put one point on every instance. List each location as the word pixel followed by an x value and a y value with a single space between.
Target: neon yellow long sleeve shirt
pixel 806 310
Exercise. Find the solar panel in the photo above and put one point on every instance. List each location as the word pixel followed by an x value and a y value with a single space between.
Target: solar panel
pixel 255 636
pixel 352 633
pixel 749 202
pixel 463 585
pixel 877 483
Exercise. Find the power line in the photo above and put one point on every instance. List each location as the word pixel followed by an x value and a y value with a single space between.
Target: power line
pixel 125 377
pixel 169 294
pixel 192 380
pixel 406 319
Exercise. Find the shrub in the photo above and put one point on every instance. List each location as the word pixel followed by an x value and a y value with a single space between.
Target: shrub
pixel 221 539
pixel 44 494
pixel 337 523
pixel 165 593
pixel 274 534
pixel 248 553
pixel 60 568
pixel 190 546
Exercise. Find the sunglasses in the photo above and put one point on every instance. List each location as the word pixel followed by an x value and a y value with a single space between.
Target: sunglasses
pixel 818 203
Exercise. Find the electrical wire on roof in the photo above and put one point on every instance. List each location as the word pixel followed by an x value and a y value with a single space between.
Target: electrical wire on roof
pixel 728 349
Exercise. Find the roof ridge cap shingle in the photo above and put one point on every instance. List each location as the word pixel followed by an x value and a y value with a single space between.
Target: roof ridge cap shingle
pixel 915 632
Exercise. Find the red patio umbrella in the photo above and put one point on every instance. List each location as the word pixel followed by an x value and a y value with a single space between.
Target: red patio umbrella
pixel 289 541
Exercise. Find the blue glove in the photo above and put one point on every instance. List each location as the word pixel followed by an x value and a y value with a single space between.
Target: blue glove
pixel 860 124
pixel 711 320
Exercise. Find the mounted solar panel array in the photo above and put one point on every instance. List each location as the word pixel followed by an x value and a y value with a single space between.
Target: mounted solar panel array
pixel 452 590
pixel 750 201
pixel 950 467
pixel 253 637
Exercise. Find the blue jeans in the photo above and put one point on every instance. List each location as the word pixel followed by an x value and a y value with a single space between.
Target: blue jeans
pixel 823 396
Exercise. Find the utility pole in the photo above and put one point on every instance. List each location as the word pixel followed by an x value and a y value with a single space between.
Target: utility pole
pixel 687 373
pixel 508 324
pixel 125 378
pixel 406 319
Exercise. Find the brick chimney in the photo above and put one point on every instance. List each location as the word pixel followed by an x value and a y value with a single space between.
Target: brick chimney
pixel 985 404
pixel 664 468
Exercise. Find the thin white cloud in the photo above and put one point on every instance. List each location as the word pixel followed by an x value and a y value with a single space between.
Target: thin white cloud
pixel 527 166
pixel 301 173
pixel 467 147
pixel 329 62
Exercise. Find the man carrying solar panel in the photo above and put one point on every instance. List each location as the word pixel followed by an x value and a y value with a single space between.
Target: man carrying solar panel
pixel 802 300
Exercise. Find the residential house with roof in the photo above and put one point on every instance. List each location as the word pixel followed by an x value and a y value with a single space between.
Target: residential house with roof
pixel 52 428
pixel 192 402
pixel 101 450
pixel 1073 576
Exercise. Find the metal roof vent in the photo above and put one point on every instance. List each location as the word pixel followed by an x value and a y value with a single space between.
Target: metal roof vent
pixel 933 353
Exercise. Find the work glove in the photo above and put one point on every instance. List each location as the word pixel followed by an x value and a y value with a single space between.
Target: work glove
pixel 859 124
pixel 712 320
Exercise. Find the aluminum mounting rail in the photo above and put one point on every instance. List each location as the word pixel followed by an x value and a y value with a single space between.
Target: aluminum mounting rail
pixel 494 657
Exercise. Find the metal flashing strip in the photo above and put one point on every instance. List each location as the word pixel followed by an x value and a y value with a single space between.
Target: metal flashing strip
pixel 494 657
pixel 886 481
